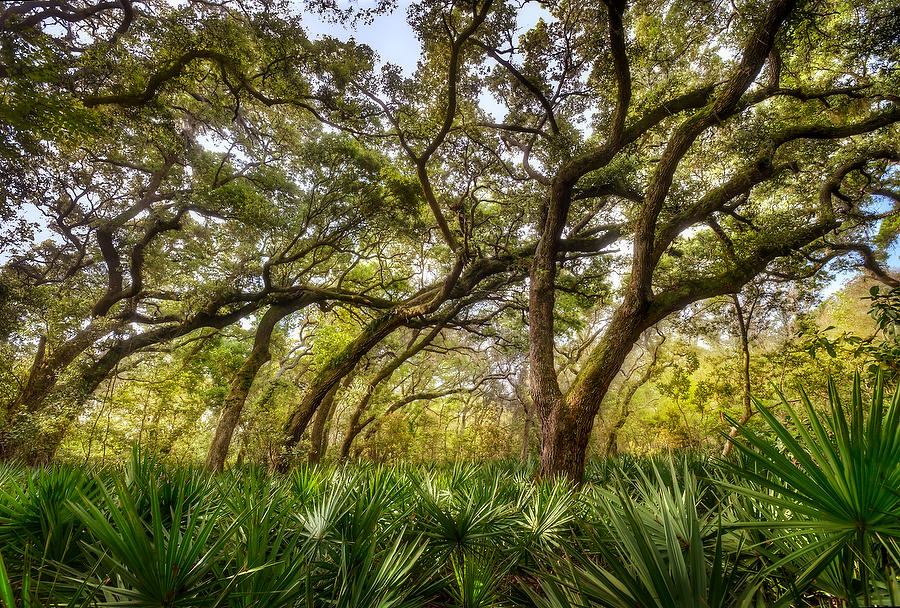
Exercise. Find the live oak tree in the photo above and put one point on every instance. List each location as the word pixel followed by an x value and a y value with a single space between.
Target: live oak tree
pixel 710 143
pixel 752 172
pixel 172 266
pixel 192 208
pixel 205 164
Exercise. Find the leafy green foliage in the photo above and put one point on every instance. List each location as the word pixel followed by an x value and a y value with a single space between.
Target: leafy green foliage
pixel 812 517
pixel 654 552
pixel 832 487
pixel 878 352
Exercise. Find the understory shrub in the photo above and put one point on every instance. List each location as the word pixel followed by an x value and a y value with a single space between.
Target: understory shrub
pixel 810 518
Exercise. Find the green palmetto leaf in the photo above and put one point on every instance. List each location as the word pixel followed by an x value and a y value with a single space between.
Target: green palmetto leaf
pixel 268 568
pixel 656 556
pixel 6 593
pixel 320 521
pixel 834 482
pixel 478 579
pixel 373 578
pixel 33 512
pixel 152 563
pixel 469 520
pixel 547 513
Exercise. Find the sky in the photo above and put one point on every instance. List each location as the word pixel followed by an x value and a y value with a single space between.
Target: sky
pixel 393 38
pixel 395 41
pixel 389 35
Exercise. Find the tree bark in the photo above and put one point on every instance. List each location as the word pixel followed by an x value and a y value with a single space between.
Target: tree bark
pixel 523 396
pixel 566 427
pixel 745 374
pixel 318 433
pixel 344 363
pixel 45 370
pixel 567 419
pixel 240 385
pixel 354 428
pixel 612 441
pixel 333 372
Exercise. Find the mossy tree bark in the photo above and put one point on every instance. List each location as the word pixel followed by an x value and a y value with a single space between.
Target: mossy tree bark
pixel 744 334
pixel 240 385
pixel 567 419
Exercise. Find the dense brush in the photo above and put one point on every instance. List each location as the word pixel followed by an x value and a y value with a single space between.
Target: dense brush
pixel 811 517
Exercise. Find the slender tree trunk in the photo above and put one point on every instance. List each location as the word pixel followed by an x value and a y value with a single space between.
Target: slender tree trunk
pixel 523 396
pixel 45 370
pixel 354 428
pixel 350 436
pixel 240 385
pixel 344 363
pixel 232 407
pixel 333 372
pixel 745 374
pixel 526 432
pixel 318 433
pixel 87 376
pixel 612 441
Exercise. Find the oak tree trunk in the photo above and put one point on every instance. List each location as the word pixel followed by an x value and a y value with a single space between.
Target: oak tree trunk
pixel 333 372
pixel 567 422
pixel 240 385
pixel 318 434
pixel 745 375
pixel 344 363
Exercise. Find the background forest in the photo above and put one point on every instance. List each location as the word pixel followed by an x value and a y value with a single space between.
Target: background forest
pixel 464 397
